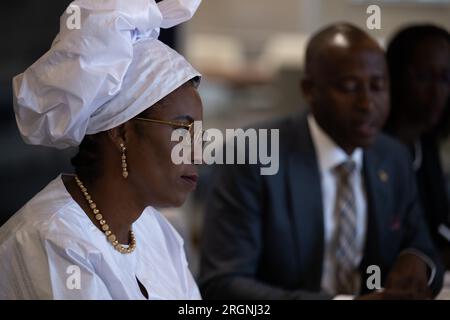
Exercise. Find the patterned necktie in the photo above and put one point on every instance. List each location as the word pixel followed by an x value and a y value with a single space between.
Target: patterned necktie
pixel 346 281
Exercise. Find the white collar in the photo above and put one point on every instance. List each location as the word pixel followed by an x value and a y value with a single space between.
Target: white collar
pixel 329 154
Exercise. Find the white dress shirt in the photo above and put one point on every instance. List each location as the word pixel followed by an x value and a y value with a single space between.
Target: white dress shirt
pixel 329 156
pixel 50 249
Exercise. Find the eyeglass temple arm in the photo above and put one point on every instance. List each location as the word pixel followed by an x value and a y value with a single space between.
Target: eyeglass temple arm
pixel 172 123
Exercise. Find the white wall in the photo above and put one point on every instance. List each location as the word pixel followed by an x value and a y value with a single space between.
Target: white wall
pixel 254 21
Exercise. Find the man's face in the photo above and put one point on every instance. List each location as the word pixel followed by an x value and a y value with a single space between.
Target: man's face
pixel 348 94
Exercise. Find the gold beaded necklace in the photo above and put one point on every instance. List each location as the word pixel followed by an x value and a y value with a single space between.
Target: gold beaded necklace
pixel 105 227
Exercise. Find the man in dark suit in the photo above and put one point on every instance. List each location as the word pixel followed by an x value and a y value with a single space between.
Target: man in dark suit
pixel 343 203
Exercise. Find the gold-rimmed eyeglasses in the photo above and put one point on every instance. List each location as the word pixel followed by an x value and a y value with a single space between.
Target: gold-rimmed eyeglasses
pixel 195 136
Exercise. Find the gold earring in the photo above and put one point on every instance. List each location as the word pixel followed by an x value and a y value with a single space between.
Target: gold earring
pixel 124 161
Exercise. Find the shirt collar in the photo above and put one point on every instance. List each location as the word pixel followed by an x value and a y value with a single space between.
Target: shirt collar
pixel 329 154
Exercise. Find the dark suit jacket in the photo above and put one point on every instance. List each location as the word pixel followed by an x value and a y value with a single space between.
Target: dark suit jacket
pixel 432 190
pixel 263 235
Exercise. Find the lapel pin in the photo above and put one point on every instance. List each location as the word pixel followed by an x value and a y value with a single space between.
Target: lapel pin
pixel 384 177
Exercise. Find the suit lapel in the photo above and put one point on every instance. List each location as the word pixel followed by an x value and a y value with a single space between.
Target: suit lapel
pixel 376 178
pixel 307 210
pixel 306 202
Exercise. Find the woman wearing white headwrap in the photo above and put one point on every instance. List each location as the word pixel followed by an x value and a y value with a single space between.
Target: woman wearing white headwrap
pixel 111 88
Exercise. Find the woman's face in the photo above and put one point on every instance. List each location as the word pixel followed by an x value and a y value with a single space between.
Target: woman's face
pixel 159 181
pixel 427 84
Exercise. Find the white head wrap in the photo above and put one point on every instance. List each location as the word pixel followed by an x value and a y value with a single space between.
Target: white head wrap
pixel 103 74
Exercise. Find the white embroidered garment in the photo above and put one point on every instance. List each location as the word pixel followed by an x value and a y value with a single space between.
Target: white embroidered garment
pixel 50 249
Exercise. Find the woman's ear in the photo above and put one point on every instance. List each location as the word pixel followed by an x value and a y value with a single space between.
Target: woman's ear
pixel 118 135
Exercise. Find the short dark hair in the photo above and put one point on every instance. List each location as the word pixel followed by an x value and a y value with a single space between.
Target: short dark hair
pixel 322 37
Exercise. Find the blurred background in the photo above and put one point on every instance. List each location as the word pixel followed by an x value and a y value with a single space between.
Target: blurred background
pixel 249 51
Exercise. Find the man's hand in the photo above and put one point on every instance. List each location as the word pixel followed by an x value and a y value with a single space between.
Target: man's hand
pixel 409 274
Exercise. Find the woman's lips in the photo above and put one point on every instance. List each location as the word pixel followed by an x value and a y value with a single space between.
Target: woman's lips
pixel 190 180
